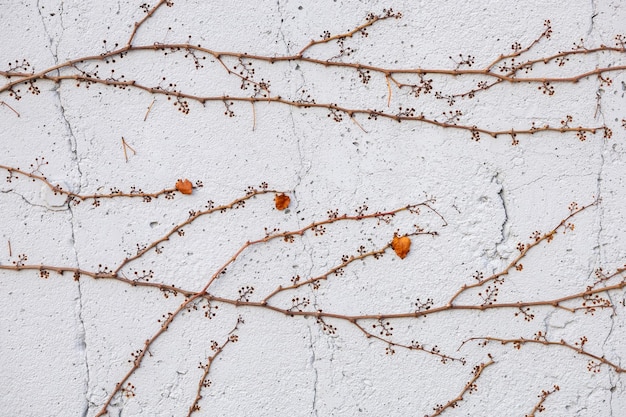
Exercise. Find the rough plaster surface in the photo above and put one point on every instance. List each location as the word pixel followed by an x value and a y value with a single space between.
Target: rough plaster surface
pixel 64 344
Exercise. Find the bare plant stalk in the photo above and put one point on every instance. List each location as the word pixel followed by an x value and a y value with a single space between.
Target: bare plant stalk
pixel 469 388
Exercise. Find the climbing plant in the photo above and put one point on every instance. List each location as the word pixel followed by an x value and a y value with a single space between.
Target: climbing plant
pixel 312 266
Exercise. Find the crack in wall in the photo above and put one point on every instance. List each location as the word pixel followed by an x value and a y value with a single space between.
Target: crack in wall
pixel 302 171
pixel 73 148
pixel 280 28
pixel 312 360
pixel 599 115
pixel 53 49
pixel 598 196
pixel 82 333
pixel 26 200
pixel 594 13
pixel 504 228
pixel 53 41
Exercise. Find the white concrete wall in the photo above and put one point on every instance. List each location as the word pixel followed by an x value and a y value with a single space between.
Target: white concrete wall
pixel 65 344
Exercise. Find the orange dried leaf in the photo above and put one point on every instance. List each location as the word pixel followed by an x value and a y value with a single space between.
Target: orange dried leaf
pixel 401 245
pixel 184 186
pixel 282 201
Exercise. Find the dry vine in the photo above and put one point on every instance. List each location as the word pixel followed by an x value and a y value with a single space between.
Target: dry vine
pixel 377 326
pixel 479 295
pixel 506 68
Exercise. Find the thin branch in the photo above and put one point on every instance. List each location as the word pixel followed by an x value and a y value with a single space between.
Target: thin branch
pixel 338 269
pixel 126 145
pixel 262 88
pixel 523 249
pixel 217 349
pixel 11 108
pixel 139 357
pixel 470 387
pixel 371 20
pixel 71 196
pixel 350 112
pixel 541 340
pixel 238 202
pixel 149 109
pixel 539 407
pixel 413 346
pixel 148 15
pixel 218 55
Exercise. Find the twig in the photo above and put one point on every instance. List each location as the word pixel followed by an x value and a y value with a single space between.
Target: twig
pixel 253 115
pixel 541 340
pixel 233 204
pixel 338 269
pixel 470 387
pixel 351 112
pixel 508 76
pixel 126 145
pixel 372 19
pixel 6 104
pixel 148 15
pixel 204 382
pixel 523 249
pixel 539 407
pixel 148 111
pixel 414 346
pixel 71 196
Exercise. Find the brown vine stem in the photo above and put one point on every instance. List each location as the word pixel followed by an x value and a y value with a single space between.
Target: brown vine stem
pixel 523 249
pixel 125 145
pixel 555 303
pixel 238 202
pixel 470 387
pixel 509 76
pixel 350 112
pixel 541 340
pixel 192 298
pixel 148 15
pixel 338 269
pixel 10 108
pixel 57 189
pixel 371 19
pixel 217 349
pixel 287 236
pixel 141 354
pixel 539 407
pixel 318 228
pixel 218 55
pixel 27 77
pixel 544 35
pixel 414 346
pixel 527 65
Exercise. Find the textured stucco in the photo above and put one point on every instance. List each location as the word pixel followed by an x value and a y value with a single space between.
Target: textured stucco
pixel 64 344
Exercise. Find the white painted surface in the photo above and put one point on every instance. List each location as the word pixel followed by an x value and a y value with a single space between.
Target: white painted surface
pixel 65 344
